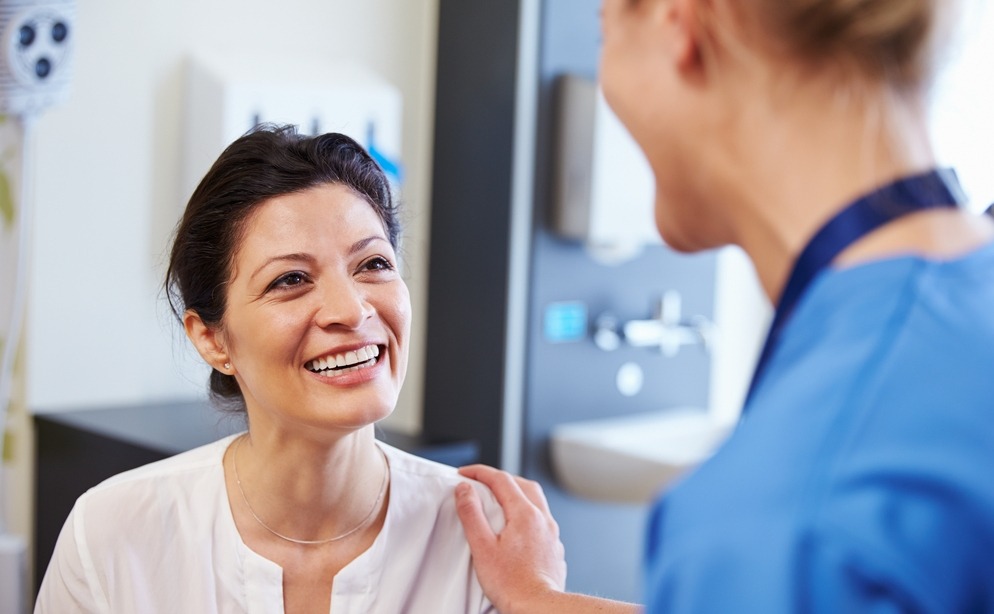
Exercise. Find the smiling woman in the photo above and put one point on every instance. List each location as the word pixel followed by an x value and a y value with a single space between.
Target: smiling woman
pixel 316 270
pixel 284 275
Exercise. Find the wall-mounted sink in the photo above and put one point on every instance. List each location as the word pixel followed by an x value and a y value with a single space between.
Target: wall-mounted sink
pixel 630 459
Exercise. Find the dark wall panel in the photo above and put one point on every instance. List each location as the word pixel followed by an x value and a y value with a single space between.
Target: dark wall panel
pixel 467 286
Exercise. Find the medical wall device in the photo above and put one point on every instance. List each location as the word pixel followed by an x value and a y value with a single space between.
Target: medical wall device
pixel 36 52
pixel 603 188
pixel 228 96
pixel 37 44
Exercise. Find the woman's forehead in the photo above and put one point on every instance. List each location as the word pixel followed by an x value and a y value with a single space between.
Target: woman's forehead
pixel 327 215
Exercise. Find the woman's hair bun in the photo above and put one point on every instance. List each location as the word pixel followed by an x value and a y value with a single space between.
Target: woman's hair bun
pixel 889 40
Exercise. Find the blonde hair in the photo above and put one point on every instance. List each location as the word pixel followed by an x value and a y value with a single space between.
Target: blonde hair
pixel 890 41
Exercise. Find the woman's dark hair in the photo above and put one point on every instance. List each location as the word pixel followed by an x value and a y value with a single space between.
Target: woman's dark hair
pixel 266 162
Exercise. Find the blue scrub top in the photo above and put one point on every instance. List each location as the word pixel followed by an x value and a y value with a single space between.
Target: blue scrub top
pixel 862 478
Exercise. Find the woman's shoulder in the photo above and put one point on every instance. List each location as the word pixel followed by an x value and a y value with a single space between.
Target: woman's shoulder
pixel 416 466
pixel 124 531
pixel 182 474
pixel 432 484
pixel 207 455
pixel 427 473
pixel 422 550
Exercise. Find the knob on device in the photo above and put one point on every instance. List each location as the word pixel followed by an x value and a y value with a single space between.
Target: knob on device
pixel 36 48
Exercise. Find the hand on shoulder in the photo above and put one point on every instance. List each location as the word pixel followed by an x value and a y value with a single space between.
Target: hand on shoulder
pixel 522 569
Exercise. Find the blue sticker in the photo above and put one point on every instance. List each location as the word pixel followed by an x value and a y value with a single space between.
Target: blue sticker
pixel 391 167
pixel 565 322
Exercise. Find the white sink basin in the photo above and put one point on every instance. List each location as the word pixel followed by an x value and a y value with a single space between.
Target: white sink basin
pixel 631 458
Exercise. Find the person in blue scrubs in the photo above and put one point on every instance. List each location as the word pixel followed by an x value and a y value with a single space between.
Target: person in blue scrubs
pixel 860 478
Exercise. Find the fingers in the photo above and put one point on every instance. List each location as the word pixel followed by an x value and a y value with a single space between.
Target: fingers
pixel 508 489
pixel 501 483
pixel 480 473
pixel 470 510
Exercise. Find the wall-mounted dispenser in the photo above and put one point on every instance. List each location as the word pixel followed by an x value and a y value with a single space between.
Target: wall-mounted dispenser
pixel 604 189
pixel 226 97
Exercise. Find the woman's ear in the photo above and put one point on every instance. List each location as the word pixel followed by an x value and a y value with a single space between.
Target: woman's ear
pixel 675 28
pixel 208 340
pixel 687 33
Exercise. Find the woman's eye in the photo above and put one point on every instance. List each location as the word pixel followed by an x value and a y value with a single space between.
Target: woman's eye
pixel 378 263
pixel 289 280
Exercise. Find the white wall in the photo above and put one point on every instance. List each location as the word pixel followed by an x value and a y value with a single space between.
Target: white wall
pixel 742 315
pixel 107 192
pixel 962 119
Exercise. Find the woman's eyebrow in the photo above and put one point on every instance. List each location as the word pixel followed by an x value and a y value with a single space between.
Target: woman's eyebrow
pixel 300 257
pixel 361 244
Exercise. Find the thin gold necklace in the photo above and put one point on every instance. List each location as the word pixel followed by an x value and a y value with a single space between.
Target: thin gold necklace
pixel 308 542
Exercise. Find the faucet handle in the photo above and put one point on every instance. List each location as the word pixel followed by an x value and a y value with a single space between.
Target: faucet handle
pixel 706 330
pixel 607 335
pixel 670 308
pixel 669 338
pixel 667 330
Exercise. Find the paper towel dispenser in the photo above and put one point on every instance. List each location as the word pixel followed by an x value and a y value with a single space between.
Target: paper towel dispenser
pixel 604 187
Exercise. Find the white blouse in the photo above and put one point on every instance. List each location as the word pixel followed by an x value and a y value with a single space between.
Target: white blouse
pixel 161 538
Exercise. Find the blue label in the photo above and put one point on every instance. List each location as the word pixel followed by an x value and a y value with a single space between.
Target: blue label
pixel 565 322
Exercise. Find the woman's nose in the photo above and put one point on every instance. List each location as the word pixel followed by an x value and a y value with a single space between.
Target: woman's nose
pixel 343 305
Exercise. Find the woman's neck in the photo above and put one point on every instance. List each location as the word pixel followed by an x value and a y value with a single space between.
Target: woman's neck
pixel 799 165
pixel 308 489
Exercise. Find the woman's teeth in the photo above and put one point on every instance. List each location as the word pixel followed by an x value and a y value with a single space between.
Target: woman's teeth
pixel 348 361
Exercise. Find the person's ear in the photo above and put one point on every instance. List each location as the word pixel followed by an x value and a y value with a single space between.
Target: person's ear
pixel 686 33
pixel 678 26
pixel 208 340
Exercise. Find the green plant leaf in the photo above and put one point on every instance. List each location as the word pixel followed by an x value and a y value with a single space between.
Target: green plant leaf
pixel 7 210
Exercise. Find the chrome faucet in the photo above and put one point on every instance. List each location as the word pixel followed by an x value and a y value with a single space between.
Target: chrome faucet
pixel 666 330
